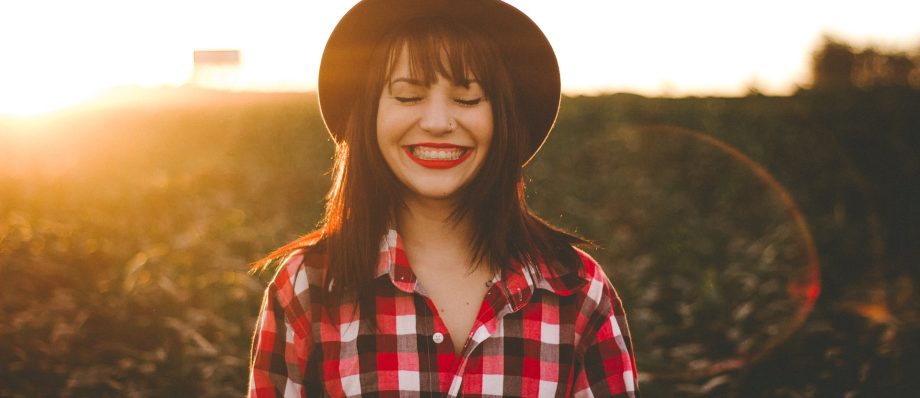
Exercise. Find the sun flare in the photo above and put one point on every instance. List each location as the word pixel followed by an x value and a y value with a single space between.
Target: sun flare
pixel 28 103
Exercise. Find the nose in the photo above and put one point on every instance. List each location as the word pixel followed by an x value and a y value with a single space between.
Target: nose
pixel 436 117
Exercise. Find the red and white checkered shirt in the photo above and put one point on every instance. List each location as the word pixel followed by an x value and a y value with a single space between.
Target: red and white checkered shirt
pixel 536 335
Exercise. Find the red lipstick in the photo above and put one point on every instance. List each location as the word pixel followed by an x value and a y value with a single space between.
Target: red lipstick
pixel 437 155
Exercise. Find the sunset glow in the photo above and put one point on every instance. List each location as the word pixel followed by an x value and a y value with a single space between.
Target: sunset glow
pixel 57 53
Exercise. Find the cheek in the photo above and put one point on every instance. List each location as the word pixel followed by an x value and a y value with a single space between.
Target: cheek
pixel 388 140
pixel 381 133
pixel 381 122
pixel 389 125
pixel 486 128
pixel 384 128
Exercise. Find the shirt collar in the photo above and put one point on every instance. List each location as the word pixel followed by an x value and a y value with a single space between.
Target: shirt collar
pixel 394 262
pixel 518 281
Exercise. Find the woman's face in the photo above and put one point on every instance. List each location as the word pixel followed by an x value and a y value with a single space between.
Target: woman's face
pixel 434 138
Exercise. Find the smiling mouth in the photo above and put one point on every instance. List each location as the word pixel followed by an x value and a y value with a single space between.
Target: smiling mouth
pixel 430 153
pixel 438 156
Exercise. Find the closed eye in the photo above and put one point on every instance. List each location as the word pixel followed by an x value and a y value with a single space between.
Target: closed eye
pixel 408 100
pixel 468 102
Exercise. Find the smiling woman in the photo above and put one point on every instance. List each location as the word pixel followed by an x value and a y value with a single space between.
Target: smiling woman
pixel 429 274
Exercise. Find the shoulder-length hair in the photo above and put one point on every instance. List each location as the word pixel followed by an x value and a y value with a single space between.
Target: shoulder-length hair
pixel 365 195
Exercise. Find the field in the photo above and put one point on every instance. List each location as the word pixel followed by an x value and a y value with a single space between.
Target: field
pixel 764 246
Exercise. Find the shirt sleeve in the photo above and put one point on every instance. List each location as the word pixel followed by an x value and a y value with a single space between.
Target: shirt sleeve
pixel 282 340
pixel 607 367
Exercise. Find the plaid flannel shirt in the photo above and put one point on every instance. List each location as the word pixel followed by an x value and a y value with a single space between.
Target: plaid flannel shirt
pixel 536 335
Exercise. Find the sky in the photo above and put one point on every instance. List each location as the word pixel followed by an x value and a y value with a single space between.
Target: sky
pixel 54 53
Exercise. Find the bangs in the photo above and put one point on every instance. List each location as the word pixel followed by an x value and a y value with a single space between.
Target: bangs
pixel 437 47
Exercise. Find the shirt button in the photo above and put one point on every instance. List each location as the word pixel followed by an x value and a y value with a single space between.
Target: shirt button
pixel 438 338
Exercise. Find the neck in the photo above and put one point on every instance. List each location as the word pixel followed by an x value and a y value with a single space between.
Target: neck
pixel 428 232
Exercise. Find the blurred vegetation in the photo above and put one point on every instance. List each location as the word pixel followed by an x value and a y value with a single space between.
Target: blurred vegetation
pixel 125 233
pixel 670 211
pixel 837 65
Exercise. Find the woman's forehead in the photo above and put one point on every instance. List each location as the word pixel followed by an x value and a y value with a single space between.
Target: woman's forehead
pixel 425 64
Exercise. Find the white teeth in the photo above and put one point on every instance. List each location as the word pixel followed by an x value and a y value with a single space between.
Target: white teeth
pixel 428 153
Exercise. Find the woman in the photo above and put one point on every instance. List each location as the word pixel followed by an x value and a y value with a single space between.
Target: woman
pixel 429 275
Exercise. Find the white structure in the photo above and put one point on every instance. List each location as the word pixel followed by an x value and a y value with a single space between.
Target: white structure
pixel 216 69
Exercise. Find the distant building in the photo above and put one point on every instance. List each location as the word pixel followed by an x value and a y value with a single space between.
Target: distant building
pixel 216 69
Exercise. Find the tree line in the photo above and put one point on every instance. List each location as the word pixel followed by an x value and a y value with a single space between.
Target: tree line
pixel 839 65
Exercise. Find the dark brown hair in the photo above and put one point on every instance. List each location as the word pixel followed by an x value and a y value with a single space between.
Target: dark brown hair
pixel 365 196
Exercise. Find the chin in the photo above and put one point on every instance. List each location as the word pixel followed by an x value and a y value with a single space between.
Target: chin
pixel 435 194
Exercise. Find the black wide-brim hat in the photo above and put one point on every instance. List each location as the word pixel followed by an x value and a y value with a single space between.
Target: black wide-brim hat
pixel 527 52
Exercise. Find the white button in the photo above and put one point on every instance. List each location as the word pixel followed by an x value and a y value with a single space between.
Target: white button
pixel 438 338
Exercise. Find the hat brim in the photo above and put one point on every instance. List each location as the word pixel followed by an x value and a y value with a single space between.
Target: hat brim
pixel 527 52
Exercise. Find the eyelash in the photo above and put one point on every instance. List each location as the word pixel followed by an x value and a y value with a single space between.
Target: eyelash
pixel 464 102
pixel 471 102
pixel 408 100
